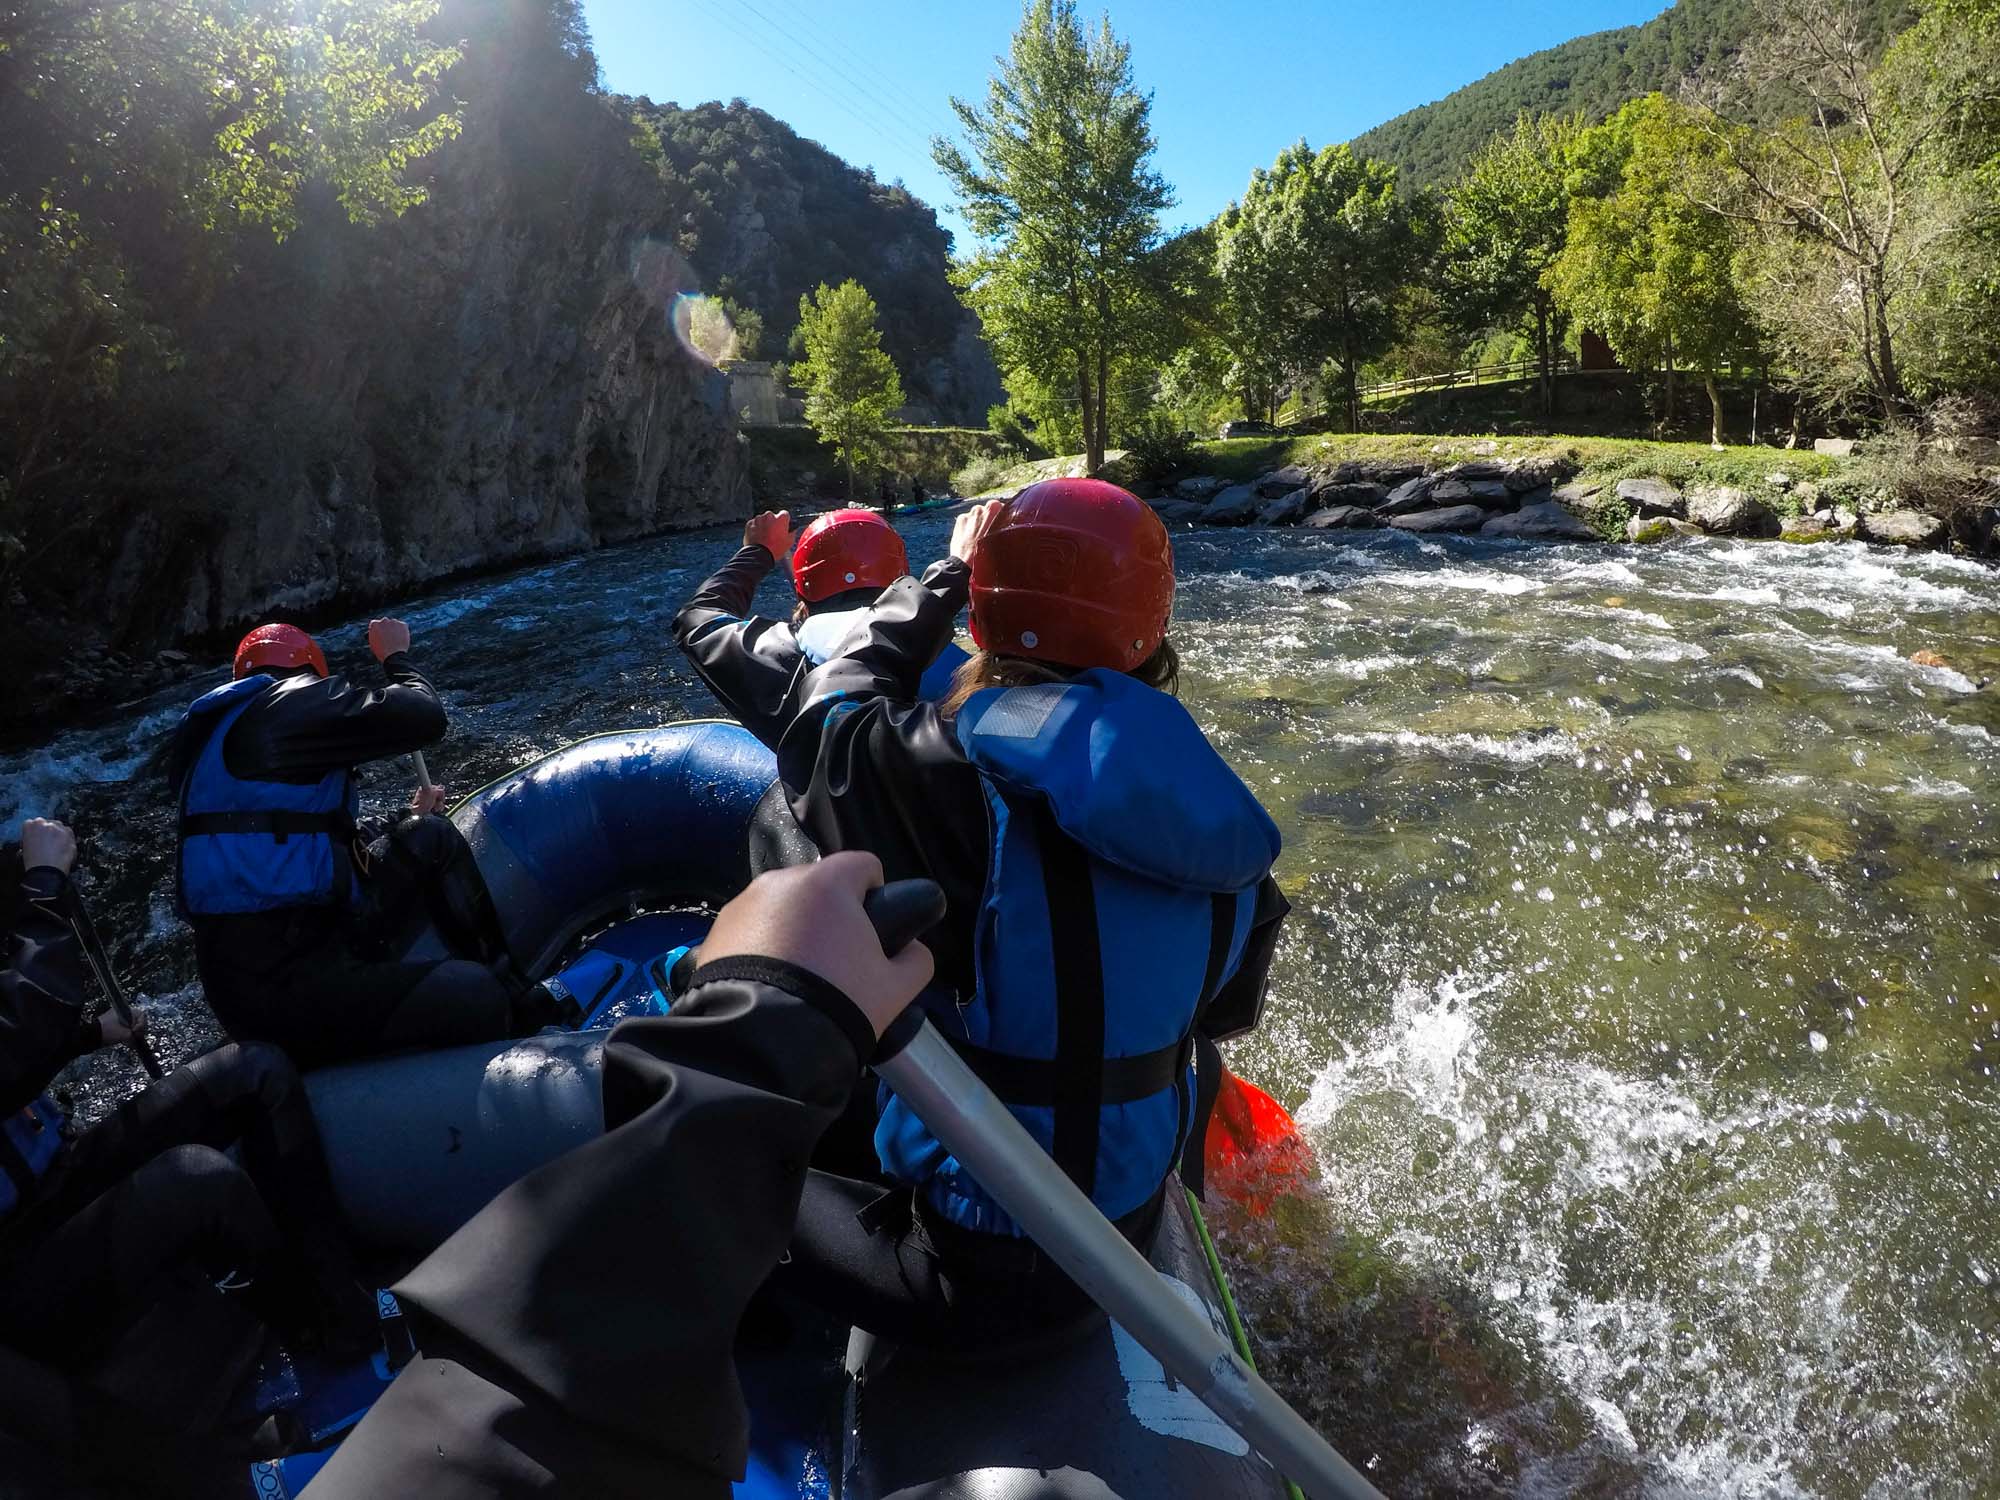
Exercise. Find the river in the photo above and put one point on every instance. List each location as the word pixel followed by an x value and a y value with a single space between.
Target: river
pixel 1641 997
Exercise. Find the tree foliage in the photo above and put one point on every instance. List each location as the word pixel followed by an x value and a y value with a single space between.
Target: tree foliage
pixel 141 137
pixel 1505 224
pixel 1313 259
pixel 851 386
pixel 1056 180
pixel 1644 262
pixel 1856 228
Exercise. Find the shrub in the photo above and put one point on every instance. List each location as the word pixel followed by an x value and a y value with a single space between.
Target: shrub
pixel 983 476
pixel 1005 424
pixel 1160 448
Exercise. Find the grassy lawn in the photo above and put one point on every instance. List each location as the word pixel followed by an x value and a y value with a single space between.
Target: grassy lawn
pixel 1604 459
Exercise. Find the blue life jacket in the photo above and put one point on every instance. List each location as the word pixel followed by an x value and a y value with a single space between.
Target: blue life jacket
pixel 1120 895
pixel 821 634
pixel 248 846
pixel 29 1140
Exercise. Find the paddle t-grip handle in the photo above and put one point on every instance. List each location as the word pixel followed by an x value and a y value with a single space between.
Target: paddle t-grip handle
pixel 902 911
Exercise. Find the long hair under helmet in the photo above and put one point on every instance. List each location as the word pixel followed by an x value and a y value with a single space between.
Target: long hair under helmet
pixel 847 549
pixel 1077 572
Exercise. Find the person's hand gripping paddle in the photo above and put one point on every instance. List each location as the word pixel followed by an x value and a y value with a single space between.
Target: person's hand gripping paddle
pixel 920 1065
pixel 385 638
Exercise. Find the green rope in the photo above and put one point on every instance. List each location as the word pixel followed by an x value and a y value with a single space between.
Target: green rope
pixel 1238 1334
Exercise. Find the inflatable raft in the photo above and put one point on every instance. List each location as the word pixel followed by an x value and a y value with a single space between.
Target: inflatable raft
pixel 604 859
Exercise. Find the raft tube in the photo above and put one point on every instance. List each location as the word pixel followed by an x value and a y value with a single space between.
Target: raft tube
pixel 419 1144
pixel 600 830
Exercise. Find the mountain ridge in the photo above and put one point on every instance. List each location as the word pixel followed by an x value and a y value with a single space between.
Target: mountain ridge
pixel 1594 74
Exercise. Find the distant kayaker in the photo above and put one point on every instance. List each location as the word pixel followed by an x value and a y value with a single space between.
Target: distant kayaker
pixel 755 665
pixel 301 911
pixel 1110 901
pixel 535 1379
pixel 94 1225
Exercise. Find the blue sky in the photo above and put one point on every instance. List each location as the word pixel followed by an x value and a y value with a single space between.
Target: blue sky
pixel 1233 83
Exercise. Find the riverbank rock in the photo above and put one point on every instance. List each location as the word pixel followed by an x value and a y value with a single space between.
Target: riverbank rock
pixel 1806 529
pixel 1282 481
pixel 1344 518
pixel 1447 518
pixel 1494 494
pixel 1201 487
pixel 1727 511
pixel 1545 521
pixel 1349 492
pixel 1288 510
pixel 1180 511
pixel 1449 492
pixel 1903 528
pixel 1652 497
pixel 1537 471
pixel 1646 530
pixel 1408 497
pixel 1834 447
pixel 1978 528
pixel 1236 506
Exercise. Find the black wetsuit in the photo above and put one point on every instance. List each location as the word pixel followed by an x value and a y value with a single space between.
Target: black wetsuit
pixel 539 1373
pixel 326 982
pixel 147 1195
pixel 885 773
pixel 752 664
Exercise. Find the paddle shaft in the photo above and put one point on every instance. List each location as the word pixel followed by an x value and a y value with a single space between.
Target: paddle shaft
pixel 423 771
pixel 107 980
pixel 962 1112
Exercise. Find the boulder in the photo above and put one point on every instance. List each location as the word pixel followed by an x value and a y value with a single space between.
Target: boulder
pixel 1175 511
pixel 1491 493
pixel 1834 447
pixel 1652 497
pixel 1648 529
pixel 1978 527
pixel 1581 494
pixel 1411 495
pixel 1448 518
pixel 1288 510
pixel 1846 517
pixel 1477 468
pixel 1369 495
pixel 1344 518
pixel 1903 528
pixel 1201 487
pixel 1727 511
pixel 1537 471
pixel 1282 481
pixel 1542 496
pixel 1544 521
pixel 1449 492
pixel 1806 529
pixel 1778 480
pixel 1236 506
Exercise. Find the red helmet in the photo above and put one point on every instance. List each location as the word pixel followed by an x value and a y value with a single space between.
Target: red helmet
pixel 278 647
pixel 847 549
pixel 1076 571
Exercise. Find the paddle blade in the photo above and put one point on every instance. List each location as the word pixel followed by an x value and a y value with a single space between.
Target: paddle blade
pixel 1254 1152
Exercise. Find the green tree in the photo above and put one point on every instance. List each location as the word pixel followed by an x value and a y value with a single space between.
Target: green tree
pixel 1645 262
pixel 851 386
pixel 1056 180
pixel 1504 225
pixel 1852 235
pixel 1313 260
pixel 140 136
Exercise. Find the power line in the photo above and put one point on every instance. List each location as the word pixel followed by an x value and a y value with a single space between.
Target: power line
pixel 861 107
pixel 838 55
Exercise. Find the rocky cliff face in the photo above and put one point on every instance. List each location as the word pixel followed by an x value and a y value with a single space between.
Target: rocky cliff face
pixel 492 378
pixel 764 216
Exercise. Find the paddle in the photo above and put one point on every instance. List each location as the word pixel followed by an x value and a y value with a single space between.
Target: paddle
pixel 1254 1152
pixel 107 980
pixel 424 781
pixel 975 1127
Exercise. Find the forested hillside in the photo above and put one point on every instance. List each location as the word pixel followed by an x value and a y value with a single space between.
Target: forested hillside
pixel 765 215
pixel 1593 74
